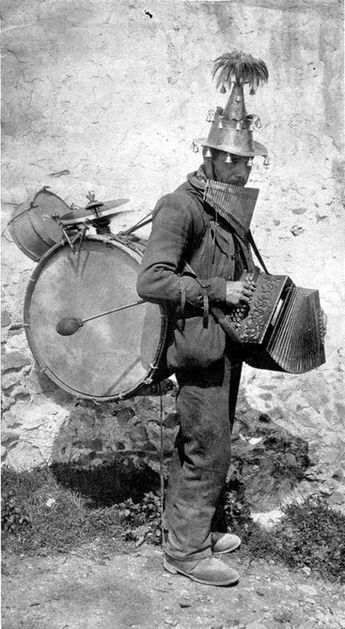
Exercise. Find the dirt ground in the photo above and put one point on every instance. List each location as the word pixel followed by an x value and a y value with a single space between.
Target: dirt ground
pixel 122 588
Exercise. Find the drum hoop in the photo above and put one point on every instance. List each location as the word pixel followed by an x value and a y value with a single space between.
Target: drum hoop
pixel 146 380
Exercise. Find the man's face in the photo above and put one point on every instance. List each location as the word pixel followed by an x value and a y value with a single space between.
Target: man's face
pixel 236 172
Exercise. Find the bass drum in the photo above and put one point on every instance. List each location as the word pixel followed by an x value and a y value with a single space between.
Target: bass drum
pixel 33 228
pixel 109 358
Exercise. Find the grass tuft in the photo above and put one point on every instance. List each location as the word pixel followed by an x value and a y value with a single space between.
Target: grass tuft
pixel 310 534
pixel 39 514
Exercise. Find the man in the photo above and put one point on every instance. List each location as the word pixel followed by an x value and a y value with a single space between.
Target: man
pixel 194 263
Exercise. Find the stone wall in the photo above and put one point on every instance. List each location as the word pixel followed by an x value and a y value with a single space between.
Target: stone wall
pixel 111 94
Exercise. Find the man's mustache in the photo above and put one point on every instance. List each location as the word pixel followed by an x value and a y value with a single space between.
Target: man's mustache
pixel 236 181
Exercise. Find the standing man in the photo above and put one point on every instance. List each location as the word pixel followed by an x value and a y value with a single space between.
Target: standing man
pixel 194 264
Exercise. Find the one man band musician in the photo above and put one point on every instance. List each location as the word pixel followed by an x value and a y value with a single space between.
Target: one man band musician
pixel 194 262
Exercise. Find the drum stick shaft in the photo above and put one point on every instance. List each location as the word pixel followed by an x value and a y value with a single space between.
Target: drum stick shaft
pixel 144 221
pixel 102 314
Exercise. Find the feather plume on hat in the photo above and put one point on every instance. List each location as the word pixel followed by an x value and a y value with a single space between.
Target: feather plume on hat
pixel 238 67
pixel 232 128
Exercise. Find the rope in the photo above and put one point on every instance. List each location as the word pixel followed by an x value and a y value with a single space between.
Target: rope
pixel 161 461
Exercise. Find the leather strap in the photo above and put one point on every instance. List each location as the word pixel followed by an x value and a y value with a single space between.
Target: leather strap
pixel 256 251
pixel 205 310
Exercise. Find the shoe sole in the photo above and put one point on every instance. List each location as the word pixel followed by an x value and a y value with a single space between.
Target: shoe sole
pixel 169 568
pixel 226 552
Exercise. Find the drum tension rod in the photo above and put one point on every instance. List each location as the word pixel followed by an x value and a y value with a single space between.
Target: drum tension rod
pixel 65 234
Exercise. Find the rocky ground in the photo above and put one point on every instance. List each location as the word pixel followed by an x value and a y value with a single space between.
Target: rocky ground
pixel 123 589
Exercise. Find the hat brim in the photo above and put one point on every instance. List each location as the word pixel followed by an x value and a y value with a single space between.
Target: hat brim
pixel 259 149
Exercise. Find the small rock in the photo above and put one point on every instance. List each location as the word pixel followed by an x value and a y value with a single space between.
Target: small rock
pixel 307 589
pixel 298 210
pixel 283 616
pixel 333 455
pixel 312 473
pixel 7 402
pixel 255 440
pixel 268 519
pixel 306 570
pixel 290 460
pixel 5 318
pixel 138 434
pixel 332 484
pixel 338 474
pixel 8 380
pixel 326 491
pixel 15 360
pixel 337 498
pixel 123 415
pixel 264 418
pixel 9 420
pixel 17 325
pixel 296 230
pixel 171 420
pixel 185 602
pixel 8 437
pixel 20 393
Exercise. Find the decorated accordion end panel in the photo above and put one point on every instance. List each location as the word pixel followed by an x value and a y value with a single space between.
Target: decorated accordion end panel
pixel 280 330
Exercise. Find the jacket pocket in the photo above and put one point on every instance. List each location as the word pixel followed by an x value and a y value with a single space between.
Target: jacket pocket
pixel 194 345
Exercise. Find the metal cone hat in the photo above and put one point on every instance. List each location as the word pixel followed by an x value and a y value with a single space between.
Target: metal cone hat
pixel 232 128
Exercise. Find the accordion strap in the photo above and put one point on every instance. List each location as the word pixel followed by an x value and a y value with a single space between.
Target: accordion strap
pixel 256 251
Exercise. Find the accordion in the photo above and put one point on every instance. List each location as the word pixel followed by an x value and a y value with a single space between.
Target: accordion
pixel 281 327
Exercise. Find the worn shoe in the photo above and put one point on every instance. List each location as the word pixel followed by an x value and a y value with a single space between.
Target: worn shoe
pixel 209 571
pixel 223 543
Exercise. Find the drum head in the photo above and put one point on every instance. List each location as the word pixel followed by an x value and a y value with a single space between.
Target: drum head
pixel 108 358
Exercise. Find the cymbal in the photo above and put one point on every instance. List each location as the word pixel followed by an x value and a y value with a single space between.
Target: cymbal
pixel 95 210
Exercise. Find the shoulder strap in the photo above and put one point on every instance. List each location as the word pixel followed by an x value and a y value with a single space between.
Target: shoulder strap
pixel 256 251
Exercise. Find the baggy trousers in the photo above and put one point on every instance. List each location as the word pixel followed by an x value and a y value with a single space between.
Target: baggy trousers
pixel 206 407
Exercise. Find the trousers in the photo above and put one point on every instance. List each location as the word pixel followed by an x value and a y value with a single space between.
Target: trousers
pixel 205 404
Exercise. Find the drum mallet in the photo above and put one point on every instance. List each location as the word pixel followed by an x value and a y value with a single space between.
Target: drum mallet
pixel 70 325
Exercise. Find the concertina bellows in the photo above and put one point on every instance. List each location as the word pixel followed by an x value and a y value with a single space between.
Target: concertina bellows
pixel 281 328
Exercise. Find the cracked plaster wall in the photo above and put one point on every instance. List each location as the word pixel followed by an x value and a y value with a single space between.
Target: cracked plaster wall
pixel 114 96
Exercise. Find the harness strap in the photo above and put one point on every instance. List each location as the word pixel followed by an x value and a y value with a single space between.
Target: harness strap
pixel 256 251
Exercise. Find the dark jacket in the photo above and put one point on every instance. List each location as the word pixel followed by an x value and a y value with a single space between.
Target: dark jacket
pixel 185 230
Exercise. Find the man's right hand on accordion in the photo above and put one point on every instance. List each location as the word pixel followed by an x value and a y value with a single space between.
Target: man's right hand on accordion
pixel 237 293
pixel 240 292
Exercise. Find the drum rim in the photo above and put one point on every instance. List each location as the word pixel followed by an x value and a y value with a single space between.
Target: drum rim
pixel 43 368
